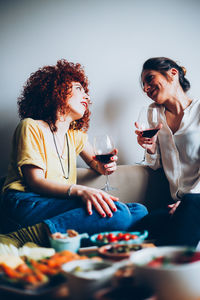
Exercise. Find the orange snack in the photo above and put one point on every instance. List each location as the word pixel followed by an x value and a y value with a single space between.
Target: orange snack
pixel 24 269
pixel 10 272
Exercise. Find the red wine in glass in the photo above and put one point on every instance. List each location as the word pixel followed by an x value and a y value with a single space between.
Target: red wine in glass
pixel 148 124
pixel 149 133
pixel 103 148
pixel 104 158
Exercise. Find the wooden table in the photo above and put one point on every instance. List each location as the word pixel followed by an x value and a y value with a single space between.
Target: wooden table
pixel 61 293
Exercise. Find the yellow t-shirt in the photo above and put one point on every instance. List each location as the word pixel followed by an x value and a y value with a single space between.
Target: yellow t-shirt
pixel 30 148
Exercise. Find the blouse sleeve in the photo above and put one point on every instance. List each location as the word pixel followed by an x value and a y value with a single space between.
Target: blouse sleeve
pixel 154 160
pixel 28 142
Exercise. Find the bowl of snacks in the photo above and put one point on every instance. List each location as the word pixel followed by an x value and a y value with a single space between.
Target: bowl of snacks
pixel 85 277
pixel 67 241
pixel 120 251
pixel 118 237
pixel 173 272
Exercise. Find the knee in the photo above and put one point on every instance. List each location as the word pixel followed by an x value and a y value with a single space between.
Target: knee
pixel 139 209
pixel 123 210
pixel 121 218
pixel 136 212
pixel 127 214
pixel 132 208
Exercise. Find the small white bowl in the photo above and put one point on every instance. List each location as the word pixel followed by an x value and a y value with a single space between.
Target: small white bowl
pixel 92 276
pixel 171 282
pixel 67 243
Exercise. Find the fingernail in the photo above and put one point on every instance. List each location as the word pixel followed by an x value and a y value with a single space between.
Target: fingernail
pixel 103 215
pixel 115 209
pixel 110 215
pixel 112 158
pixel 90 213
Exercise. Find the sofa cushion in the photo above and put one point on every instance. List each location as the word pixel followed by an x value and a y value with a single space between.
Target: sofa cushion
pixel 135 183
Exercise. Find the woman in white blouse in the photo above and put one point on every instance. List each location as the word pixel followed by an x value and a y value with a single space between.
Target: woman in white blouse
pixel 175 148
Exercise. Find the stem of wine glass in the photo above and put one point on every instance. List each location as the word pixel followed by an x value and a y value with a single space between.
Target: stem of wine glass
pixel 143 161
pixel 144 157
pixel 107 187
pixel 107 184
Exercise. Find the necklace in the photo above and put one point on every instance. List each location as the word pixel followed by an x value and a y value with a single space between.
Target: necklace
pixel 54 140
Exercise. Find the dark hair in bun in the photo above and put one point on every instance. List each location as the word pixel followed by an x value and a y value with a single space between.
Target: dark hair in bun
pixel 162 65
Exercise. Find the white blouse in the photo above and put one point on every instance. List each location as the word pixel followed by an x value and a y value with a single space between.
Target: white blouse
pixel 179 153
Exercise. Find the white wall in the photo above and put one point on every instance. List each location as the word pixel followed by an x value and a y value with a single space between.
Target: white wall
pixel 112 39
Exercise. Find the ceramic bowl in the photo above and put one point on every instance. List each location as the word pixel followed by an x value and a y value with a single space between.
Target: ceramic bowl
pixel 119 251
pixel 67 243
pixel 85 277
pixel 170 281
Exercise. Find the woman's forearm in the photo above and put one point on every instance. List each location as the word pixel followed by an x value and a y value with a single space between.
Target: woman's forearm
pixel 48 187
pixel 93 164
pixel 36 182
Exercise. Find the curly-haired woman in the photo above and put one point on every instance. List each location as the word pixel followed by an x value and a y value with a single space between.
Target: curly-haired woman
pixel 41 182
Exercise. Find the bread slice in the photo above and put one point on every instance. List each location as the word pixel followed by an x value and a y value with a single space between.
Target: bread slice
pixel 11 260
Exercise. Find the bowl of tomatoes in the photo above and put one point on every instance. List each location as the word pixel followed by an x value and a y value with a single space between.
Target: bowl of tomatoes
pixel 118 237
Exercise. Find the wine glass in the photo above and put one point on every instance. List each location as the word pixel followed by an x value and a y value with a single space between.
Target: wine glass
pixel 148 124
pixel 103 147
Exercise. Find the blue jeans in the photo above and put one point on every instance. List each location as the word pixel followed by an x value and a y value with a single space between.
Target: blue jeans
pixel 25 209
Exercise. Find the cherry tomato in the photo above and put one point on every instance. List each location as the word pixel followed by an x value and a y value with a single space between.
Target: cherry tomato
pixel 110 236
pixel 120 236
pixel 157 262
pixel 126 237
pixel 99 237
pixel 113 239
pixel 134 236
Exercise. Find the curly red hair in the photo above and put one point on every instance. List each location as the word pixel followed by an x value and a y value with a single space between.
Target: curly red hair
pixel 46 90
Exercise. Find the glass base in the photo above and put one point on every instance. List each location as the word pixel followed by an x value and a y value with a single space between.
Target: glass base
pixel 108 187
pixel 143 163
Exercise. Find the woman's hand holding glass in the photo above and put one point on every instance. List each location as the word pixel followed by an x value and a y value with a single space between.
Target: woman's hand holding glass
pixel 147 143
pixel 110 167
pixel 104 151
pixel 100 200
pixel 148 127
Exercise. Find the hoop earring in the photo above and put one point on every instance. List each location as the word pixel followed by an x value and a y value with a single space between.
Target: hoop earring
pixel 73 124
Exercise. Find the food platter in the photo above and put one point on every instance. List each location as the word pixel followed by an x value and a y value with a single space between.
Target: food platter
pixel 35 277
pixel 43 290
